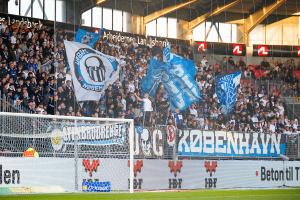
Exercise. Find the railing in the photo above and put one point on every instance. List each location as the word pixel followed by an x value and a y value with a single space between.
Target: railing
pixel 8 105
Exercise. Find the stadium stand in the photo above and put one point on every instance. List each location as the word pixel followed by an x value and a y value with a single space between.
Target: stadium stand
pixel 35 78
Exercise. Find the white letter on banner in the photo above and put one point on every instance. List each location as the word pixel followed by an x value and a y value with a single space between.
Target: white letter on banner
pixel 157 135
pixel 265 142
pixel 244 143
pixel 232 139
pixel 196 141
pixel 275 141
pixel 255 144
pixel 208 139
pixel 220 137
pixel 184 135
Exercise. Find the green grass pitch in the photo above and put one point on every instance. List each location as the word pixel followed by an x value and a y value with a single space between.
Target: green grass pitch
pixel 274 194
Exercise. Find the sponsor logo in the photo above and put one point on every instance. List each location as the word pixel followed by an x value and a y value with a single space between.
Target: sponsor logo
pixel 137 168
pixel 298 52
pixel 171 135
pixel 90 166
pixel 88 135
pixel 262 50
pixel 202 47
pixel 211 167
pixel 273 175
pixel 95 186
pixel 237 49
pixel 8 177
pixel 175 167
pixel 96 66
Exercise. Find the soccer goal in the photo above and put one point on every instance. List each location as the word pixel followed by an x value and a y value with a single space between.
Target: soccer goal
pixel 65 154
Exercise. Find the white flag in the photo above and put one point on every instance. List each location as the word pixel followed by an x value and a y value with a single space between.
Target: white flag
pixel 92 71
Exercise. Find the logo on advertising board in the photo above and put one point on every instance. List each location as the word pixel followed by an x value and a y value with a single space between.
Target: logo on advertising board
pixel 211 168
pixel 171 134
pixel 202 47
pixel 175 168
pixel 290 173
pixel 237 49
pixel 137 168
pixel 298 52
pixel 263 50
pixel 93 185
pixel 8 177
pixel 90 166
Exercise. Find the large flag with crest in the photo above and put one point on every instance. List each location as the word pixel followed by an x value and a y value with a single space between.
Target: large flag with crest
pixel 177 76
pixel 92 71
pixel 226 90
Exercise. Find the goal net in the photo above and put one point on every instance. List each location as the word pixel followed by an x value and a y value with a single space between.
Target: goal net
pixel 66 153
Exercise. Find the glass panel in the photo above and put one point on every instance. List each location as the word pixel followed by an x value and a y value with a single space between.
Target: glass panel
pixel 234 33
pixel 117 20
pixel 257 35
pixel 271 38
pixel 97 17
pixel 162 24
pixel 127 22
pixel 199 32
pixel 213 34
pixel 49 9
pixel 172 28
pixel 26 8
pixel 38 9
pixel 107 18
pixel 290 34
pixel 86 18
pixel 60 11
pixel 151 28
pixel 13 8
pixel 225 31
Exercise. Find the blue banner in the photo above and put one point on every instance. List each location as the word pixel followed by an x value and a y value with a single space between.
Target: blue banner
pixel 88 38
pixel 226 90
pixel 177 76
pixel 230 144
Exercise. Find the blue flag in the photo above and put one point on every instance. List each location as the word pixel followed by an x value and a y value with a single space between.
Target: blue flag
pixel 226 90
pixel 86 37
pixel 150 82
pixel 177 76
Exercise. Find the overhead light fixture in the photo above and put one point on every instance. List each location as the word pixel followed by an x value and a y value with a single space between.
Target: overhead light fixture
pixel 100 1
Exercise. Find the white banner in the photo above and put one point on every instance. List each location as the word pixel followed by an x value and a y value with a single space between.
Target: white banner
pixel 58 174
pixel 92 71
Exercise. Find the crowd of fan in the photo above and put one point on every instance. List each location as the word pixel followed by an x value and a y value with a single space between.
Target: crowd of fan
pixel 34 74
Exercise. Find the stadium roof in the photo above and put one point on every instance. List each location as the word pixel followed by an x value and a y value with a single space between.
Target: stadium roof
pixel 191 9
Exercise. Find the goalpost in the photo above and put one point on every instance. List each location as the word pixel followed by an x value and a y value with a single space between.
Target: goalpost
pixel 96 153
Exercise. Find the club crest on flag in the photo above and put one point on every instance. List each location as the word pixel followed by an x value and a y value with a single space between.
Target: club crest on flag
pixel 92 71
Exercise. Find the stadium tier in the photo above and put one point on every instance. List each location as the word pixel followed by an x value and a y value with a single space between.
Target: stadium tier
pixel 118 99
